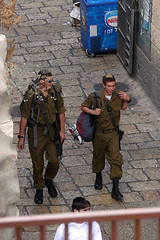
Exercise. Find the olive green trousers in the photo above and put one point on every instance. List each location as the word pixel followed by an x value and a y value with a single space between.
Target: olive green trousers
pixel 107 145
pixel 46 150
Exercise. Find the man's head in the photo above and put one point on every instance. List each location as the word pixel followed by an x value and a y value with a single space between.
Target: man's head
pixel 80 204
pixel 45 79
pixel 109 84
pixel 76 3
pixel 108 78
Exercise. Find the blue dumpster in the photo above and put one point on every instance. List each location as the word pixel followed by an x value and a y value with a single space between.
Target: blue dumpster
pixel 99 25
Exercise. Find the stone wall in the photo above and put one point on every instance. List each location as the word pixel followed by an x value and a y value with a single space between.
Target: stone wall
pixel 9 185
pixel 147 68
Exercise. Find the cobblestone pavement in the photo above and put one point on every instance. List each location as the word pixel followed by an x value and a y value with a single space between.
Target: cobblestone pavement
pixel 45 39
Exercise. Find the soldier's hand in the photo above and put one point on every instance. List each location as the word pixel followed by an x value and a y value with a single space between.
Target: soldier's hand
pixel 97 111
pixel 123 95
pixel 62 135
pixel 20 144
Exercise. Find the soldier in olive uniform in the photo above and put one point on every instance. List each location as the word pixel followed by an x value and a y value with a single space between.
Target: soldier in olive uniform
pixel 39 136
pixel 106 139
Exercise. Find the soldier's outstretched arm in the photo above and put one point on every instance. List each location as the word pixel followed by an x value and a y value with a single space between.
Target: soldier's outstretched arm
pixel 22 126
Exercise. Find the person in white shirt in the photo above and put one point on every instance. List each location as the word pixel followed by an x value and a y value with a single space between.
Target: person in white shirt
pixel 79 231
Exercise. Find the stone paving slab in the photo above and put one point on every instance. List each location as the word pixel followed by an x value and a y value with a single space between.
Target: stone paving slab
pixel 45 39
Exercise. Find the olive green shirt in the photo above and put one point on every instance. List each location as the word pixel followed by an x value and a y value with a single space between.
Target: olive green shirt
pixel 103 121
pixel 49 104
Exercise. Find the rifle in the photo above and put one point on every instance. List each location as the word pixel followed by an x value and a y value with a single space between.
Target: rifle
pixel 57 136
pixel 57 127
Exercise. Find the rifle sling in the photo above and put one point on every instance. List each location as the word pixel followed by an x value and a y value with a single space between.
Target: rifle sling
pixel 111 115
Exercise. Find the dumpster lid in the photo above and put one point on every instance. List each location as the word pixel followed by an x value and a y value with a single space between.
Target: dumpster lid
pixel 96 2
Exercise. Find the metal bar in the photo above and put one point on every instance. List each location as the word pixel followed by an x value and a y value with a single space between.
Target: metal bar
pixel 18 233
pixel 137 230
pixel 42 232
pixel 102 216
pixel 114 230
pixel 66 231
pixel 159 229
pixel 90 231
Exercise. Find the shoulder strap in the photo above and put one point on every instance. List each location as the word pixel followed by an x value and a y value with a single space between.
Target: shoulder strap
pixel 33 102
pixel 54 95
pixel 96 98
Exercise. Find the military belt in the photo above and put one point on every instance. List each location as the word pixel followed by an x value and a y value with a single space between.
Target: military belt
pixel 105 130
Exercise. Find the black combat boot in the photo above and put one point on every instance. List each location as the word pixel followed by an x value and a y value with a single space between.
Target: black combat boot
pixel 51 188
pixel 115 191
pixel 98 181
pixel 39 196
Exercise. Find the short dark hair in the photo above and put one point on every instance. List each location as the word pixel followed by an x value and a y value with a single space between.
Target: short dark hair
pixel 80 203
pixel 108 78
pixel 43 74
